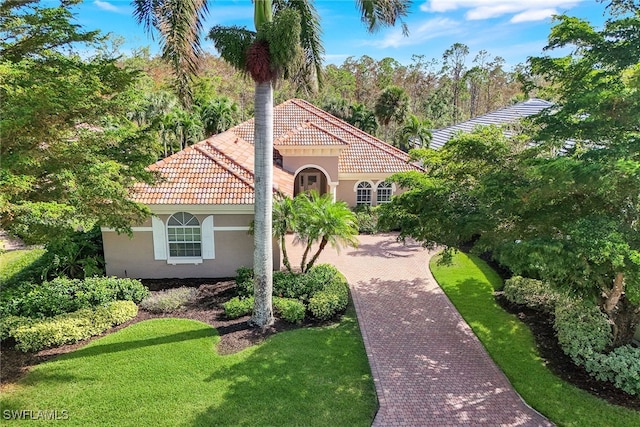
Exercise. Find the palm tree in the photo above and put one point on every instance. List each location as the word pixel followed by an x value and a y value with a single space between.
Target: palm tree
pixel 363 118
pixel 325 221
pixel 284 221
pixel 415 133
pixel 286 40
pixel 392 106
pixel 218 115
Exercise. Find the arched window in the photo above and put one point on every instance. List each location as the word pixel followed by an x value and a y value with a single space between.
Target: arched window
pixel 363 194
pixel 384 191
pixel 184 235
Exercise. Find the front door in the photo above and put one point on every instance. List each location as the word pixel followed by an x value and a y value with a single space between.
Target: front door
pixel 310 181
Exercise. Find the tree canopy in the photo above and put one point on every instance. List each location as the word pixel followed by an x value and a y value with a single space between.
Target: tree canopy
pixel 69 154
pixel 561 202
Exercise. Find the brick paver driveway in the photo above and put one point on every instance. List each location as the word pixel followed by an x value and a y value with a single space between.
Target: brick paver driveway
pixel 428 367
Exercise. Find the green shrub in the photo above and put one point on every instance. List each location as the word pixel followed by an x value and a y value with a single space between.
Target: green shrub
pixel 244 282
pixel 238 307
pixel 621 367
pixel 535 294
pixel 10 323
pixel 582 329
pixel 62 295
pixel 330 301
pixel 367 219
pixel 169 300
pixel 71 327
pixel 291 310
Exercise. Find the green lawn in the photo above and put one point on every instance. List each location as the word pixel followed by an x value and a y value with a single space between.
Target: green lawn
pixel 166 372
pixel 469 283
pixel 20 265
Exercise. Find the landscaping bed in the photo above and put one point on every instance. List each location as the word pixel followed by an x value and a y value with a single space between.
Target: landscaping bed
pixel 235 334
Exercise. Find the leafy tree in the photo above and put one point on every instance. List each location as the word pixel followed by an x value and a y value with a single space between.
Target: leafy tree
pixel 567 208
pixel 69 153
pixel 285 43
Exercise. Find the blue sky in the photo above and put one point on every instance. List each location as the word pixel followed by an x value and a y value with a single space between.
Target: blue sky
pixel 512 29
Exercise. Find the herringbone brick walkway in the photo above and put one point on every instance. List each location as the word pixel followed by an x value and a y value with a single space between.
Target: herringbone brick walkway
pixel 428 367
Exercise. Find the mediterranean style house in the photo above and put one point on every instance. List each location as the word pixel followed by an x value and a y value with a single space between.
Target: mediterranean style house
pixel 203 204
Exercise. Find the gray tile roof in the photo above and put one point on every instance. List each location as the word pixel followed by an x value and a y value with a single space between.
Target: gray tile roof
pixel 507 115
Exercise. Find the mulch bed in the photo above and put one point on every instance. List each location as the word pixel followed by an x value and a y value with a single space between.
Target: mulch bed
pixel 236 335
pixel 541 326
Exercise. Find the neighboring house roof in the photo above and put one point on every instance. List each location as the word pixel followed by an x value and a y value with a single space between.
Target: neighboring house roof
pixel 504 116
pixel 219 170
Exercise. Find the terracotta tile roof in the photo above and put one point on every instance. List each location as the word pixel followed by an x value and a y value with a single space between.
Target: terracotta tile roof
pixel 363 153
pixel 208 174
pixel 219 170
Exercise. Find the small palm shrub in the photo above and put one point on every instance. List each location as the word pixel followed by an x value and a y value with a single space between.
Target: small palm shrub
pixel 169 300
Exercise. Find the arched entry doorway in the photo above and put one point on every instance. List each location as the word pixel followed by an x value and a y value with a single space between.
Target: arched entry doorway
pixel 310 179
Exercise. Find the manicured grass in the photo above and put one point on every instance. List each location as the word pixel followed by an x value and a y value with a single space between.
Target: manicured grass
pixel 16 266
pixel 469 283
pixel 166 372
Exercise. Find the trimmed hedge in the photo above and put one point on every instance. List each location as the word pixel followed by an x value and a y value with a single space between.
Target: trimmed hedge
pixel 62 295
pixel 322 290
pixel 332 300
pixel 533 293
pixel 291 310
pixel 35 335
pixel 238 307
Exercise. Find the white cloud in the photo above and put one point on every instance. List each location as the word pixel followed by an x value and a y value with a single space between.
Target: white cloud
pixel 105 5
pixel 431 29
pixel 534 15
pixel 523 10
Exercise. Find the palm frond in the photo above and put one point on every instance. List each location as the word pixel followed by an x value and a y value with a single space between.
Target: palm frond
pixel 179 24
pixel 232 44
pixel 384 13
pixel 309 75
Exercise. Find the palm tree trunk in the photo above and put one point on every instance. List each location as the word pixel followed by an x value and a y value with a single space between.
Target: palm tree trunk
pixel 304 256
pixel 262 238
pixel 323 243
pixel 285 256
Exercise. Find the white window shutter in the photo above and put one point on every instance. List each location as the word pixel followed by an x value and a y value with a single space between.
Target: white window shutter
pixel 208 246
pixel 159 239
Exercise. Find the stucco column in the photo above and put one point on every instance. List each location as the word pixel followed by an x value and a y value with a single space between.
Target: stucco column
pixel 332 189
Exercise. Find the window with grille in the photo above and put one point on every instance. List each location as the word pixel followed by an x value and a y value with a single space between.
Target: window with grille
pixel 363 194
pixel 384 191
pixel 184 235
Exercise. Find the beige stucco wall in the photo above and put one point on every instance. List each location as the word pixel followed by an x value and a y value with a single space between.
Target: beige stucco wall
pixel 134 257
pixel 328 163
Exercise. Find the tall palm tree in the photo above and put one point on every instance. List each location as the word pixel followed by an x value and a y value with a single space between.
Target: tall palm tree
pixel 415 133
pixel 265 54
pixel 325 221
